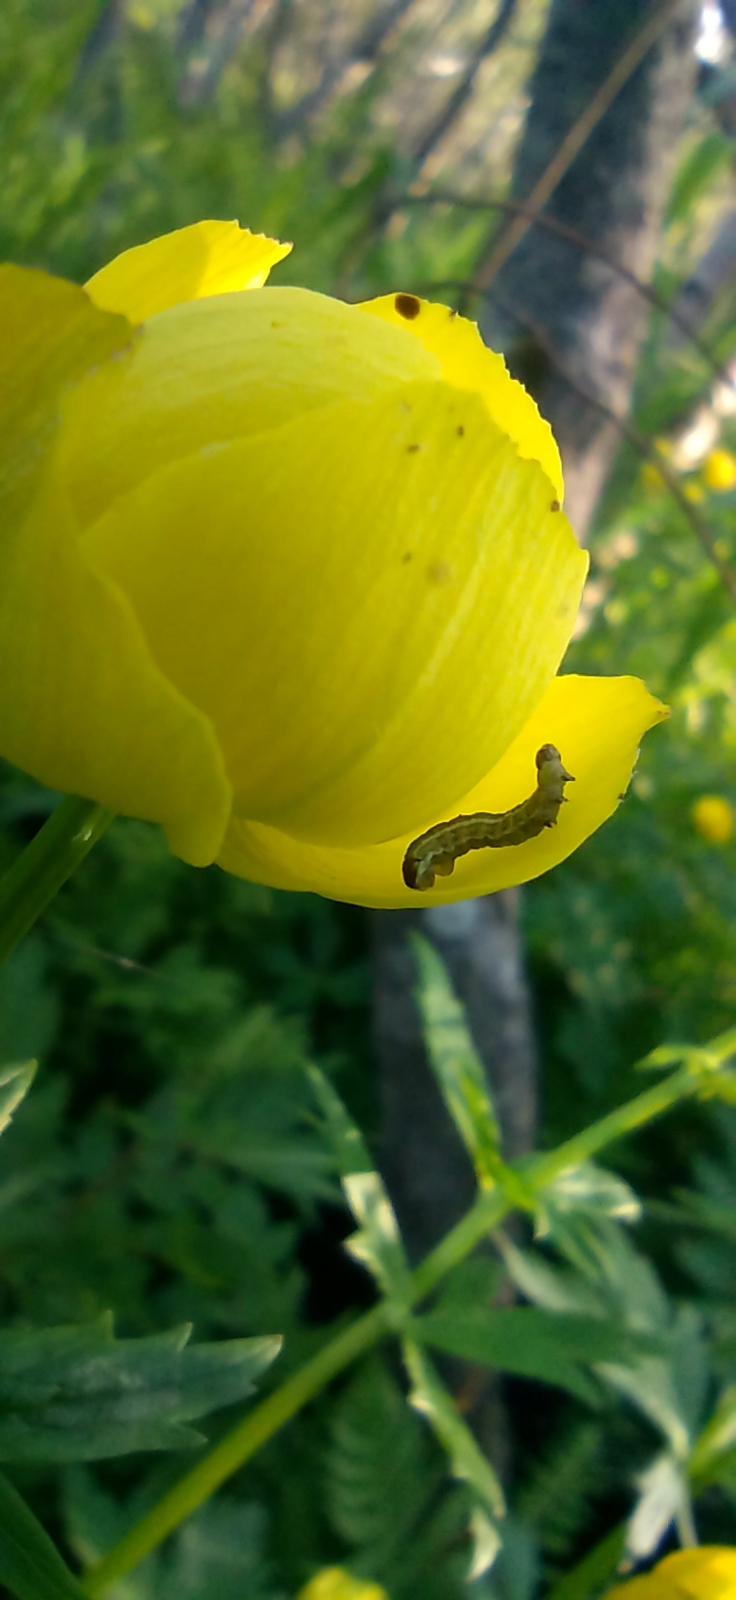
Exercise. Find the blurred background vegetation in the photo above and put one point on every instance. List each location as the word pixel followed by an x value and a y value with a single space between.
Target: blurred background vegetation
pixel 166 1163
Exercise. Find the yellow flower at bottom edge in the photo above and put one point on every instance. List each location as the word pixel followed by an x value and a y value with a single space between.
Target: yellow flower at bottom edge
pixel 287 576
pixel 332 1583
pixel 705 1573
pixel 712 816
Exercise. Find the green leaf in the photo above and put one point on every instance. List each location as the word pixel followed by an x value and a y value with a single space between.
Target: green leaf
pixel 15 1082
pixel 384 1491
pixel 219 1553
pixel 378 1240
pixel 586 1190
pixel 702 164
pixel 350 1150
pixel 429 1396
pixel 714 1450
pixel 78 1394
pixel 30 1565
pixel 456 1064
pixel 554 1347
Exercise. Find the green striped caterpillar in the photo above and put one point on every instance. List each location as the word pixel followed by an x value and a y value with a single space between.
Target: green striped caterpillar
pixel 437 850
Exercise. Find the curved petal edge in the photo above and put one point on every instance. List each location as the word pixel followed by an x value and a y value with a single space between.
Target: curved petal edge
pixel 596 723
pixel 207 258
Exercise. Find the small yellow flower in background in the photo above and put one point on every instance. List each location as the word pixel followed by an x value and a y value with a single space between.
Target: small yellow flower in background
pixel 713 818
pixel 705 1573
pixel 334 1584
pixel 287 576
pixel 651 476
pixel 694 492
pixel 720 470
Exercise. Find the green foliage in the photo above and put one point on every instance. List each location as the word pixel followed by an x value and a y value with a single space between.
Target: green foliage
pixel 78 1394
pixel 456 1064
pixel 30 1564
pixel 15 1082
pixel 556 1498
pixel 168 1162
pixel 554 1348
pixel 383 1483
pixel 430 1397
pixel 221 1550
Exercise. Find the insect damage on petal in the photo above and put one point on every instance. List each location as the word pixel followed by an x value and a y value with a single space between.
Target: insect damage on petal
pixel 407 306
pixel 436 851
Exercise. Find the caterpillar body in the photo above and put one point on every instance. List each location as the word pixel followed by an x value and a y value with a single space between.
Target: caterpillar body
pixel 436 851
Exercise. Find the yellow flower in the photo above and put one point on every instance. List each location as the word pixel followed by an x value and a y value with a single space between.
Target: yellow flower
pixel 291 577
pixel 713 818
pixel 720 470
pixel 705 1573
pixel 332 1583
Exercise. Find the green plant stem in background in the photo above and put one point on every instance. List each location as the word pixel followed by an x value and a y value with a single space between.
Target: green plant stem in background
pixel 267 1418
pixel 57 850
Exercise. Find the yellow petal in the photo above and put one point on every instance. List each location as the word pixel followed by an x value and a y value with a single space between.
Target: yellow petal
pixel 469 364
pixel 596 723
pixel 707 1572
pixel 333 1583
pixel 207 258
pixel 50 337
pixel 221 369
pixel 82 705
pixel 367 603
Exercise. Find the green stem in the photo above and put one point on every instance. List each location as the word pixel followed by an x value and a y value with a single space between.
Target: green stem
pixel 237 1447
pixel 265 1419
pixel 31 883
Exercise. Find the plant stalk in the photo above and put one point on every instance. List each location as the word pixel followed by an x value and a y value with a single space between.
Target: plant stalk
pixel 270 1415
pixel 39 872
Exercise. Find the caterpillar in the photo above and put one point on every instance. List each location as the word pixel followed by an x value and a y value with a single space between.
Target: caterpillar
pixel 437 850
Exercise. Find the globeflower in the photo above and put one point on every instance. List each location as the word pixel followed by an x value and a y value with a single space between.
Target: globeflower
pixel 707 1572
pixel 290 577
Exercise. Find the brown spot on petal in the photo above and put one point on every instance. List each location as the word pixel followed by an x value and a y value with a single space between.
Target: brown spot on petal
pixel 411 449
pixel 407 306
pixel 440 572
pixel 406 558
pixel 460 431
pixel 555 506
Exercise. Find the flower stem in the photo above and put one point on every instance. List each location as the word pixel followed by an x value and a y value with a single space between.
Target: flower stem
pixel 270 1415
pixel 46 863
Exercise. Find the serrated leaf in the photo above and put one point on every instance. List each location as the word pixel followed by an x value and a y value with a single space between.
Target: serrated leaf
pixel 350 1150
pixel 648 1383
pixel 30 1565
pixel 663 1498
pixel 587 1190
pixel 554 1347
pixel 15 1081
pixel 467 1461
pixel 78 1394
pixel 455 1062
pixel 378 1240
